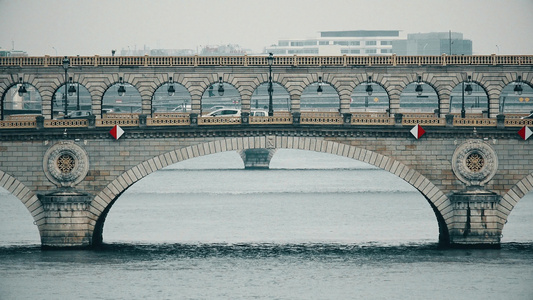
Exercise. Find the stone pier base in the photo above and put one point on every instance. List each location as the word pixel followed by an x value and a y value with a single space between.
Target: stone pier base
pixel 476 223
pixel 257 158
pixel 66 223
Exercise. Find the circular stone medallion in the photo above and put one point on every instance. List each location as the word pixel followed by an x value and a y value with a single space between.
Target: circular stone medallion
pixel 474 162
pixel 65 164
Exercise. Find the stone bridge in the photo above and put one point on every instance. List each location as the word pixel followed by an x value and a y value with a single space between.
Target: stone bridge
pixel 471 169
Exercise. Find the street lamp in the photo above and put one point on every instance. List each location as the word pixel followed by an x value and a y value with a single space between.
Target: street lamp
pixel 71 89
pixel 319 89
pixel 369 89
pixel 66 63
pixel 468 90
pixel 170 89
pixel 22 88
pixel 220 87
pixel 419 88
pixel 121 89
pixel 518 87
pixel 270 60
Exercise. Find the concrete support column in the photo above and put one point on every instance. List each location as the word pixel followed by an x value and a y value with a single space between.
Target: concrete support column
pixel 476 222
pixel 444 104
pixel 394 104
pixel 66 223
pixel 46 102
pixel 257 158
pixel 96 105
pixel 146 105
pixel 196 104
pixel 345 103
pixel 494 106
pixel 245 103
pixel 295 103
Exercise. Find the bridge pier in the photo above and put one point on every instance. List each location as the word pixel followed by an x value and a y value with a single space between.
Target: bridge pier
pixel 476 223
pixel 257 158
pixel 66 223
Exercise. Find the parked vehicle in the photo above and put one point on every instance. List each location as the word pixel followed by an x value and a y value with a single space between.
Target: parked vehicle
pixel 224 113
pixel 259 113
pixel 110 110
pixel 530 116
pixel 78 114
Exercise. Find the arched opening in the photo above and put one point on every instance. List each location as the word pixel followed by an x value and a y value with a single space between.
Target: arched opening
pixel 472 100
pixel 306 197
pixel 519 223
pixel 16 223
pixel 516 98
pixel 77 99
pixel 121 98
pixel 20 100
pixel 220 95
pixel 418 97
pixel 369 97
pixel 281 100
pixel 171 98
pixel 320 96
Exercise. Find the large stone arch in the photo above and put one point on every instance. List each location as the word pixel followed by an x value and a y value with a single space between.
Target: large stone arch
pixel 25 195
pixel 103 201
pixel 511 198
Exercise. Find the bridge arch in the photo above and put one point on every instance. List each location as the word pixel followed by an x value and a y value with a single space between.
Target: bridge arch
pixel 103 201
pixel 513 196
pixel 28 82
pixel 259 97
pixel 408 104
pixel 121 81
pixel 310 91
pixel 378 87
pixel 212 86
pixel 25 195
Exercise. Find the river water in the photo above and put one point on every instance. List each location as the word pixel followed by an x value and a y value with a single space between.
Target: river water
pixel 315 226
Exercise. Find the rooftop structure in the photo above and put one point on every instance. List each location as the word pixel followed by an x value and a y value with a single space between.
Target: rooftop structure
pixel 355 42
pixel 433 43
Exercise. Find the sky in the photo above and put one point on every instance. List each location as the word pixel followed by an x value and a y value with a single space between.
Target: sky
pixel 95 27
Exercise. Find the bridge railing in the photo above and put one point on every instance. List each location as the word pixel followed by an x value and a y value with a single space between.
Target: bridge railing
pixel 261 60
pixel 281 118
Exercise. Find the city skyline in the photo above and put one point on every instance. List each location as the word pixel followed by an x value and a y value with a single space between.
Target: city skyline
pixel 60 27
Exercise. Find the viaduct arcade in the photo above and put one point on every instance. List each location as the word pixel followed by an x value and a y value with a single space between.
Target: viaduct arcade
pixel 472 167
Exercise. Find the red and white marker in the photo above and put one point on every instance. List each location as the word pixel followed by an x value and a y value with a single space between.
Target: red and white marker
pixel 525 133
pixel 116 132
pixel 417 131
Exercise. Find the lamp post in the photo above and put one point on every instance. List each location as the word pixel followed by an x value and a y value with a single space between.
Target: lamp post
pixel 463 112
pixel 270 60
pixel 468 90
pixel 66 63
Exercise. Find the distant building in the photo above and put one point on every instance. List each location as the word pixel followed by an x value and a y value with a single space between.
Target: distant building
pixel 12 53
pixel 375 42
pixel 433 43
pixel 215 50
pixel 355 42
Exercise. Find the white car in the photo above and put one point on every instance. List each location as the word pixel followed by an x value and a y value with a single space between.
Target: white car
pixel 530 116
pixel 226 112
pixel 259 113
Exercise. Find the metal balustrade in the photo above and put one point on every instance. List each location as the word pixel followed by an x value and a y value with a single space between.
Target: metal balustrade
pixel 246 60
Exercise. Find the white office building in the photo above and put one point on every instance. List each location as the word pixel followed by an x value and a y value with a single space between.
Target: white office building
pixel 356 42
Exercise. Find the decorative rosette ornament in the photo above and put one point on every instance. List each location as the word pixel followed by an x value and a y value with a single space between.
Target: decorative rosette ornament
pixel 65 164
pixel 474 162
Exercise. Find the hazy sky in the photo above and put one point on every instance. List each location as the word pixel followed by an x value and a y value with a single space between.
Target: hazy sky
pixel 89 27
